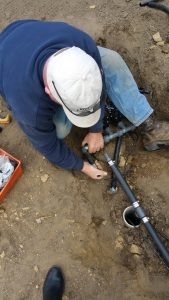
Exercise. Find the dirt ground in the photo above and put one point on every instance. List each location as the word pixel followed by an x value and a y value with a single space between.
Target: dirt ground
pixel 73 221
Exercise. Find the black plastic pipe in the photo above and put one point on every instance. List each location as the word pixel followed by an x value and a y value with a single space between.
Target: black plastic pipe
pixel 109 137
pixel 139 211
pixel 90 157
pixel 154 4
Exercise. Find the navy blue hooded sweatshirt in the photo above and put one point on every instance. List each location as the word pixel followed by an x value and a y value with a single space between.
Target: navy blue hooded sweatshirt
pixel 25 46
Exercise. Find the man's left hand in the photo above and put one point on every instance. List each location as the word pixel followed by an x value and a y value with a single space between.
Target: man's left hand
pixel 95 141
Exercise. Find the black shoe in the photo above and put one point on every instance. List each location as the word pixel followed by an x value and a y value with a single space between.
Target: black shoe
pixel 53 287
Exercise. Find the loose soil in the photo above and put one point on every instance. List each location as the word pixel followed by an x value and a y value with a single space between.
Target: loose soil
pixel 70 220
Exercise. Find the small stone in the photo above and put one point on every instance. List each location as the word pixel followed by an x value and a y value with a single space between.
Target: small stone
pixel 2 255
pixel 143 165
pixel 36 269
pixel 97 220
pixel 39 221
pixel 153 47
pixel 92 6
pixel 71 221
pixel 44 178
pixel 5 216
pixel 136 257
pixel 129 239
pixel 37 286
pixel 161 44
pixel 25 208
pixel 134 249
pixel 65 297
pixel 119 242
pixel 21 246
pixel 104 223
pixel 157 38
pixel 122 161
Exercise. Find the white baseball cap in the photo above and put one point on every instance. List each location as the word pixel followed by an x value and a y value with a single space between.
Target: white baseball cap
pixel 75 81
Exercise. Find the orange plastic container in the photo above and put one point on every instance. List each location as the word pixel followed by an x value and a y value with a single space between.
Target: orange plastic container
pixel 14 177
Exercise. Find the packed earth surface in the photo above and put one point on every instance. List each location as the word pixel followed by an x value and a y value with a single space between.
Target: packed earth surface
pixel 57 217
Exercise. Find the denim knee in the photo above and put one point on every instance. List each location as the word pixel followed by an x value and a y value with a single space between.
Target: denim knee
pixel 62 123
pixel 122 88
pixel 111 58
pixel 62 130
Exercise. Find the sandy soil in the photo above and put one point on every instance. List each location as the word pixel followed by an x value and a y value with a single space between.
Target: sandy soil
pixel 81 227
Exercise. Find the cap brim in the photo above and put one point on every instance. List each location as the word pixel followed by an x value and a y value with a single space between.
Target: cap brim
pixel 83 122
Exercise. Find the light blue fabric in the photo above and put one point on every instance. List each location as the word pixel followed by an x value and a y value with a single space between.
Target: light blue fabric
pixel 62 123
pixel 122 88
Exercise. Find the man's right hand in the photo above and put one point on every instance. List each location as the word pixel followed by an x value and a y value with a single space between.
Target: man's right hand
pixel 92 171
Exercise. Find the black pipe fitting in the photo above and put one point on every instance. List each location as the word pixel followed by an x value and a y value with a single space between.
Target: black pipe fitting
pixel 154 4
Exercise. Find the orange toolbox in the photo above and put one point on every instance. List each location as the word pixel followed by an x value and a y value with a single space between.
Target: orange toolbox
pixel 17 173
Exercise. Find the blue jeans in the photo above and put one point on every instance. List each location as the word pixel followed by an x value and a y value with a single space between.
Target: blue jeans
pixel 121 89
pixel 62 123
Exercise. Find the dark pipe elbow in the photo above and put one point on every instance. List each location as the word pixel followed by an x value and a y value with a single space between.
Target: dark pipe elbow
pixel 154 4
pixel 159 6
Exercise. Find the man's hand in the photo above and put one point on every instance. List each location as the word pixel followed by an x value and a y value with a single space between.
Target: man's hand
pixel 93 172
pixel 95 141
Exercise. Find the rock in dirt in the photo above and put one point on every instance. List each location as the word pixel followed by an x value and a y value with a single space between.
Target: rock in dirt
pixel 44 178
pixel 143 165
pixel 2 255
pixel 97 221
pixel 161 44
pixel 119 242
pixel 104 223
pixel 122 161
pixel 153 47
pixel 157 37
pixel 36 269
pixel 134 249
pixel 39 221
pixel 25 208
pixel 129 239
